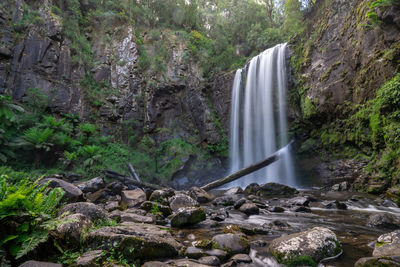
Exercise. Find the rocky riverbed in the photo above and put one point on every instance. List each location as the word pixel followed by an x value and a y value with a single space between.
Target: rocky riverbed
pixel 262 225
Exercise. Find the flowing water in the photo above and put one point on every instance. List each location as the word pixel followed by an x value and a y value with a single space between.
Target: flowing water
pixel 258 118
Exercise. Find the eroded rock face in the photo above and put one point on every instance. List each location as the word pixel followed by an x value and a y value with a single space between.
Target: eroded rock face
pixel 387 245
pixel 135 240
pixel 317 243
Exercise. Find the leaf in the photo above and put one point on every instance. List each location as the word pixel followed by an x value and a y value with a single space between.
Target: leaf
pixel 31 243
pixel 8 238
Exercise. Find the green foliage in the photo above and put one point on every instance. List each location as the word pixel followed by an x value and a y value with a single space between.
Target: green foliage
pixel 374 5
pixel 294 23
pixel 28 210
pixel 222 147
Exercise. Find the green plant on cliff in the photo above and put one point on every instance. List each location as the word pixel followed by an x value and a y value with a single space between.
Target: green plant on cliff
pixel 374 5
pixel 28 211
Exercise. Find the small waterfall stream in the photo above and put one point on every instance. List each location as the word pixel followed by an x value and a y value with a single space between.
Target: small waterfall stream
pixel 259 119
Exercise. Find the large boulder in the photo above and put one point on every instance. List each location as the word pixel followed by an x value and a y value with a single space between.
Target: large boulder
pixel 275 189
pixel 132 198
pixel 135 241
pixel 384 220
pixel 228 200
pixel 155 207
pixel 72 226
pixel 304 248
pixel 387 245
pixel 90 258
pixel 388 261
pixel 92 185
pixel 187 216
pixel 249 209
pixel 232 243
pixel 181 201
pixel 72 193
pixel 161 195
pixel 90 210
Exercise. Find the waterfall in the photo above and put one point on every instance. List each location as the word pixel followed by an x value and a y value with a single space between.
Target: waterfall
pixel 259 119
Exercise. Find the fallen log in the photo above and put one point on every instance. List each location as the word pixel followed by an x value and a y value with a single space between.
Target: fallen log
pixel 128 180
pixel 247 170
pixel 133 172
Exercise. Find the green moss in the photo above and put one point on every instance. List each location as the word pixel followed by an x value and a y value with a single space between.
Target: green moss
pixel 307 107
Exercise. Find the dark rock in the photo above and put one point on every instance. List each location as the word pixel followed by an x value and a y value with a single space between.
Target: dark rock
pixel 149 206
pixel 161 195
pixel 327 204
pixel 384 220
pixel 147 240
pixel 253 230
pixel 219 253
pixel 210 260
pixel 200 195
pixel 299 201
pixel 194 253
pixel 72 193
pixel 156 264
pixel 234 191
pixel 277 225
pixel 187 262
pixel 389 261
pixel 225 200
pixel 301 209
pixel 115 188
pixel 277 209
pixel 132 198
pixel 274 189
pixel 115 215
pixel 249 209
pixel 252 189
pixel 387 245
pixel 187 216
pixel 90 258
pixel 111 205
pixel 90 210
pixel 92 185
pixel 241 258
pixel 219 215
pixel 317 243
pixel 182 201
pixel 239 203
pixel 232 243
pixel 72 226
pixel 39 264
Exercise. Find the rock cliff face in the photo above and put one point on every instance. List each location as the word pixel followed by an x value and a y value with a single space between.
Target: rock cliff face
pixel 175 103
pixel 339 65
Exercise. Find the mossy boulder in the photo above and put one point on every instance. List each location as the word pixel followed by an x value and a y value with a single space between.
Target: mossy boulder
pixel 232 243
pixel 135 241
pixel 387 245
pixel 378 261
pixel 305 248
pixel 275 189
pixel 188 216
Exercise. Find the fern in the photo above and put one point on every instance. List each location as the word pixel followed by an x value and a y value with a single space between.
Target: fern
pixel 31 242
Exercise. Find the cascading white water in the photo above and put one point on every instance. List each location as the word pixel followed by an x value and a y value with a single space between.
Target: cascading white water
pixel 259 119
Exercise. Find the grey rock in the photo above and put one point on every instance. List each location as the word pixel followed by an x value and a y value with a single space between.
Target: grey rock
pixel 210 260
pixel 148 206
pixel 111 206
pixel 92 185
pixel 234 191
pixel 277 209
pixel 200 195
pixel 90 210
pixel 249 209
pixel 252 189
pixel 384 221
pixel 131 217
pixel 187 216
pixel 299 201
pixel 181 201
pixel 39 264
pixel 72 226
pixel 318 243
pixel 239 203
pixel 132 198
pixel 162 195
pixel 219 253
pixel 241 258
pixel 194 253
pixel 387 245
pixel 392 261
pixel 225 200
pixel 156 264
pixel 72 193
pixel 232 243
pixel 90 259
pixel 275 189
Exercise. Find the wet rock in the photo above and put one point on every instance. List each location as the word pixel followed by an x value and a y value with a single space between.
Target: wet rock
pixel 252 189
pixel 156 207
pixel 161 195
pixel 388 203
pixel 72 227
pixel 387 245
pixel 90 259
pixel 156 264
pixel 200 195
pixel 131 217
pixel 249 209
pixel 254 230
pixel 389 261
pixel 241 258
pixel 316 243
pixel 258 243
pixel 277 225
pixel 39 264
pixel 92 185
pixel 225 200
pixel 90 210
pixel 301 209
pixel 188 216
pixel 219 253
pixel 111 205
pixel 239 203
pixel 384 220
pixel 186 263
pixel 132 198
pixel 276 209
pixel 232 243
pixel 194 253
pixel 343 186
pixel 234 191
pixel 115 215
pixel 219 215
pixel 210 260
pixel 327 204
pixel 146 240
pixel 182 201
pixel 299 201
pixel 72 193
pixel 275 189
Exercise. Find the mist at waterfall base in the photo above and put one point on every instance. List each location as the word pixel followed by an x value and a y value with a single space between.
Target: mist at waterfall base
pixel 259 124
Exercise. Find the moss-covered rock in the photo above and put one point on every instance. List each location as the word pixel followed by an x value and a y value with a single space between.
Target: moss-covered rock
pixel 188 216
